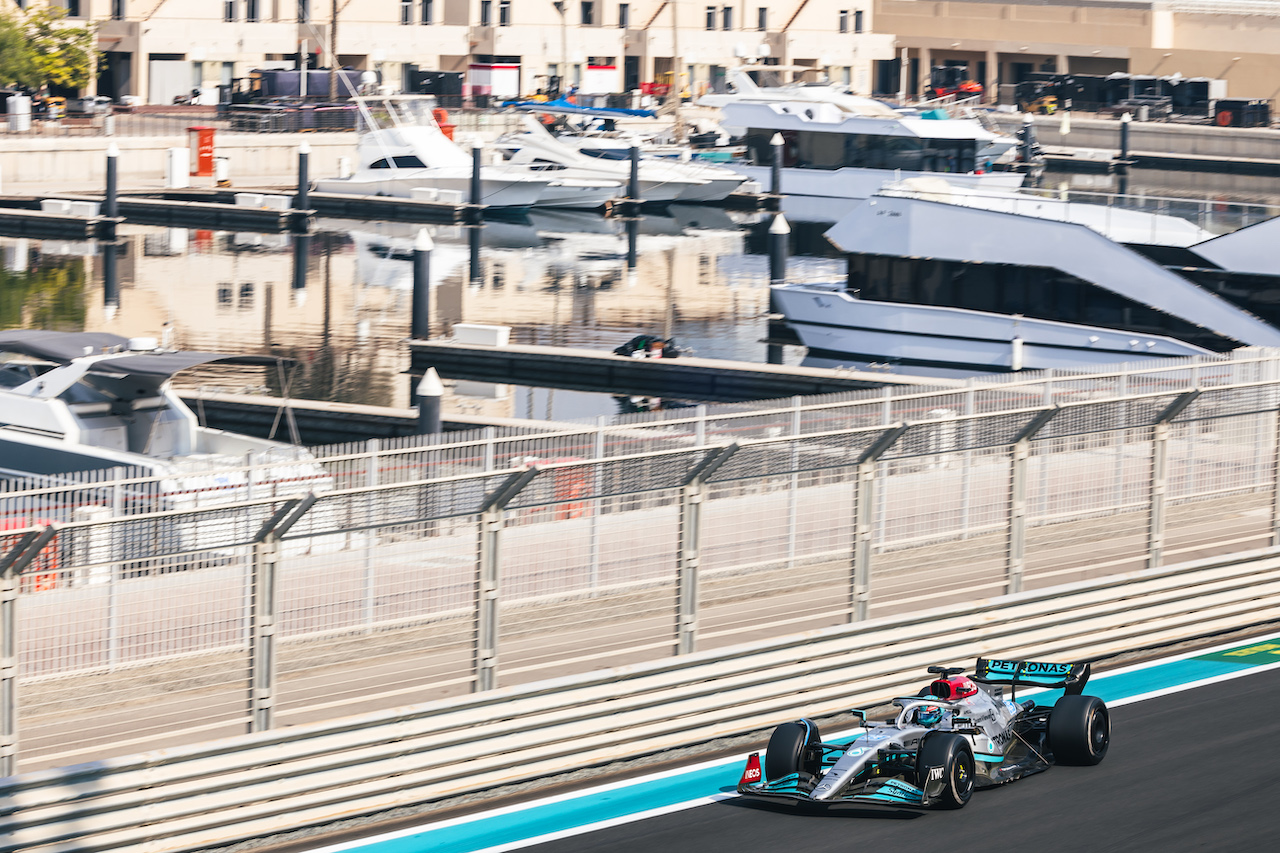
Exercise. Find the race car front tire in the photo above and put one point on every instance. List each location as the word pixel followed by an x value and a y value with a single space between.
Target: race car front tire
pixel 787 746
pixel 945 763
pixel 1079 730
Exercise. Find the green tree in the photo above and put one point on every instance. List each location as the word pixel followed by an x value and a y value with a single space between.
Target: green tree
pixel 17 59
pixel 66 56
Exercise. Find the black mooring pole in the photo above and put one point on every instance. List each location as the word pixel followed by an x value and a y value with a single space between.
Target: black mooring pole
pixel 420 325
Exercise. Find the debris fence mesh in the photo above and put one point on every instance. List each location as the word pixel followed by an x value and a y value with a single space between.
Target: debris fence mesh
pixel 171 611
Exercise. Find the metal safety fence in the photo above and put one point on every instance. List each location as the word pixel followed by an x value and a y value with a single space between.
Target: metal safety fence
pixel 150 122
pixel 140 613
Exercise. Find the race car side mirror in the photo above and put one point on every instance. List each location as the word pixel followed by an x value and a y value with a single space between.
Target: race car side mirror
pixel 861 715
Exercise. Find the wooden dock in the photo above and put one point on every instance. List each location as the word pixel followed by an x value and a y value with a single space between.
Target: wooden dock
pixel 680 378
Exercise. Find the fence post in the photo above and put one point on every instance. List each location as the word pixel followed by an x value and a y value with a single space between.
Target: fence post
pixel 1017 517
pixel 1275 479
pixel 488 574
pixel 262 610
pixel 793 490
pixel 596 504
pixel 486 652
pixel 11 566
pixel 864 521
pixel 372 448
pixel 1160 476
pixel 689 548
pixel 1021 454
pixel 262 633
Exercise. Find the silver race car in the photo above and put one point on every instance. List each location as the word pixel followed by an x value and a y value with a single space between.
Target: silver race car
pixel 959 733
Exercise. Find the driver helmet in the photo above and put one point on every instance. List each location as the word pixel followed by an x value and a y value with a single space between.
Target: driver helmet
pixel 929 715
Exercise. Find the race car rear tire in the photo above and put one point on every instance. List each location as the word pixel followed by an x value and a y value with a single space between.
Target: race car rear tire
pixel 945 763
pixel 787 745
pixel 1079 730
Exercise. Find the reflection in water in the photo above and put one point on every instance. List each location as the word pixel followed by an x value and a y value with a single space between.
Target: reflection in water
pixel 339 301
pixel 110 277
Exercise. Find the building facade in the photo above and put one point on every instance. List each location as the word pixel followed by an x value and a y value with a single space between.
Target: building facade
pixel 1003 43
pixel 157 50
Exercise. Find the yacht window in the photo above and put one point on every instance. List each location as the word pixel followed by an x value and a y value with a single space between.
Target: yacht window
pixel 406 161
pixel 607 153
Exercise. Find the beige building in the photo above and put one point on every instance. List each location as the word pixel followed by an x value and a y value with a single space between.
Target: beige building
pixel 161 49
pixel 1002 43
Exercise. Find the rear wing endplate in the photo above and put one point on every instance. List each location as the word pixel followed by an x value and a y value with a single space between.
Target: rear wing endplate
pixel 1025 673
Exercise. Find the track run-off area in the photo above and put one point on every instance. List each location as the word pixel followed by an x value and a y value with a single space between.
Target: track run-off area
pixel 1194 764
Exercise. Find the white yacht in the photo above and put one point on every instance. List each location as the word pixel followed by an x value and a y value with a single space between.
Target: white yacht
pixel 661 180
pixel 401 151
pixel 76 401
pixel 850 147
pixel 1001 281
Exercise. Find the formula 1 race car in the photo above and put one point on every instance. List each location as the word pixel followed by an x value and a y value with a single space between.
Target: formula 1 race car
pixel 959 733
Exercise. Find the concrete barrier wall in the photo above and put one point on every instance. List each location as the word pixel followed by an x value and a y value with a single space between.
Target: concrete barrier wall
pixel 1155 137
pixel 62 162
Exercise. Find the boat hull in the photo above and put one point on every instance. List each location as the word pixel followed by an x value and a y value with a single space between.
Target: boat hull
pixel 828 320
pixel 494 192
pixel 863 183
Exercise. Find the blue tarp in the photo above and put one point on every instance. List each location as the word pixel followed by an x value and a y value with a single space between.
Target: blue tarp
pixel 565 107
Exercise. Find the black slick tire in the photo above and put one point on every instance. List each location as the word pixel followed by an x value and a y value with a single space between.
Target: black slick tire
pixel 946 771
pixel 1079 731
pixel 786 752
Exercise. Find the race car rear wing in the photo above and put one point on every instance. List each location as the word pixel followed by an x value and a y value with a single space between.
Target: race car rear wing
pixel 1025 673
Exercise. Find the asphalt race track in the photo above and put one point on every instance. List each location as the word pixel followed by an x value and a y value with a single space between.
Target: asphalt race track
pixel 1196 770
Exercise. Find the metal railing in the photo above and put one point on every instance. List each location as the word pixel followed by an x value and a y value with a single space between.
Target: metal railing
pixel 1213 216
pixel 247 119
pixel 166 612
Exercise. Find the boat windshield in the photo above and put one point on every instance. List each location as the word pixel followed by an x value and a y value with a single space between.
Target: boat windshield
pixel 824 150
pixel 399 111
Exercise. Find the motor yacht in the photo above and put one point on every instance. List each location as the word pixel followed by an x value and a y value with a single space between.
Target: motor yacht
pixel 77 401
pixel 1009 281
pixel 661 180
pixel 848 147
pixel 401 151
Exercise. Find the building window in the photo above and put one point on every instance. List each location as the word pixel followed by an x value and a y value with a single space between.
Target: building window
pixel 711 17
pixel 251 13
pixel 762 19
pixel 844 20
pixel 624 15
pixel 406 11
pixel 73 8
pixel 304 11
pixel 857 21
pixel 504 13
pixel 229 10
pixel 428 12
pixel 486 13
pixel 117 9
pixel 726 18
pixel 588 13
